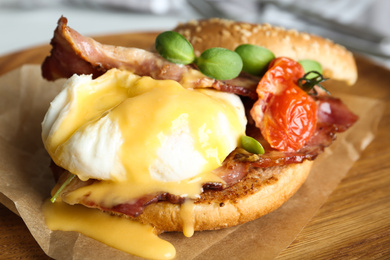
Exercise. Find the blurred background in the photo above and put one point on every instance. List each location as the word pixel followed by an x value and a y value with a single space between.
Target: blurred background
pixel 362 26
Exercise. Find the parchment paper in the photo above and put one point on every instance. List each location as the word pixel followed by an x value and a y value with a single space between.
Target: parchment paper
pixel 26 181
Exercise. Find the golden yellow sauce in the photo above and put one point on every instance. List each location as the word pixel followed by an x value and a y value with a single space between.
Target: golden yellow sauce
pixel 89 102
pixel 120 233
pixel 187 216
pixel 109 193
pixel 147 112
pixel 157 108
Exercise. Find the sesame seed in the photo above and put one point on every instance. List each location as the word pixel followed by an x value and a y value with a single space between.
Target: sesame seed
pixel 225 33
pixel 186 33
pixel 306 36
pixel 193 22
pixel 315 45
pixel 196 39
pixel 215 20
pixel 265 26
pixel 246 33
pixel 278 28
pixel 286 38
pixel 294 32
pixel 246 26
pixel 226 22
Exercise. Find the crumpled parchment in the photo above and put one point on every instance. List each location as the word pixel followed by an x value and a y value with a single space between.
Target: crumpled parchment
pixel 26 181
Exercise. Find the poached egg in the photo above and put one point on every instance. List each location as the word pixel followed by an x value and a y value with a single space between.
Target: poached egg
pixel 143 132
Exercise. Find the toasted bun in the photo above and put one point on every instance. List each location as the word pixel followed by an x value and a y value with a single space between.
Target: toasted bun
pixel 243 202
pixel 337 62
pixel 263 189
pixel 258 193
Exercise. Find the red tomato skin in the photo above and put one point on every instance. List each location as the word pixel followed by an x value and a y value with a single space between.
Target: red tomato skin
pixel 285 114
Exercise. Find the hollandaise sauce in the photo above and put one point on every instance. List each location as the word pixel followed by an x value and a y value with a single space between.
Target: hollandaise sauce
pixel 120 233
pixel 187 216
pixel 137 136
pixel 140 135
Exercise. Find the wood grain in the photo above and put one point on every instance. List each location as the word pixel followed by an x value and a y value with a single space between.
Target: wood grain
pixel 353 224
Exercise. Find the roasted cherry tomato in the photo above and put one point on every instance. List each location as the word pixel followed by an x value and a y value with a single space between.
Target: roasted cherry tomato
pixel 285 114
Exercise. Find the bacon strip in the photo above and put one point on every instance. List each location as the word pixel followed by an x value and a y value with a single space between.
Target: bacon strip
pixel 237 165
pixel 234 169
pixel 333 111
pixel 73 53
pixel 137 207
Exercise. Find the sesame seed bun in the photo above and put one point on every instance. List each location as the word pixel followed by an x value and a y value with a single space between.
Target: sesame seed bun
pixel 262 190
pixel 337 62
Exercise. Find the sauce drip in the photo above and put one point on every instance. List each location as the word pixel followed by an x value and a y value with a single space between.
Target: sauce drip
pixel 120 233
pixel 187 216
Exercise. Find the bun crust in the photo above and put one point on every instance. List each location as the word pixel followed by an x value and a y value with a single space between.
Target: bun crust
pixel 238 204
pixel 337 62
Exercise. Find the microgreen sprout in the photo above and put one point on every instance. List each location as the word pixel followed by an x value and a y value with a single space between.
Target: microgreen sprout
pixel 251 145
pixel 308 83
pixel 66 183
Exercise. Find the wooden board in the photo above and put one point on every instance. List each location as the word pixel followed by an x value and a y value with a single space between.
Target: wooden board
pixel 353 223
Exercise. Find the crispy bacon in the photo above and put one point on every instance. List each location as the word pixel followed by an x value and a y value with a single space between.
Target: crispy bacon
pixel 135 208
pixel 73 53
pixel 333 111
pixel 240 162
pixel 234 169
